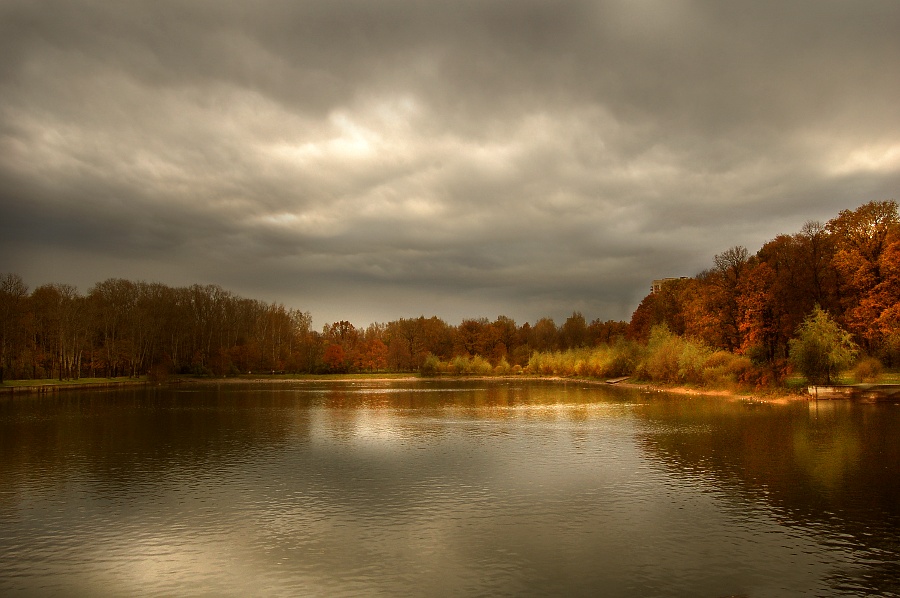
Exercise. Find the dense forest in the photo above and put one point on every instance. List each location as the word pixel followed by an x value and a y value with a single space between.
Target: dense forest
pixel 126 328
pixel 746 306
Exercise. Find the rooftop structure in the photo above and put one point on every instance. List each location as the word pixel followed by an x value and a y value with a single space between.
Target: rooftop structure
pixel 657 284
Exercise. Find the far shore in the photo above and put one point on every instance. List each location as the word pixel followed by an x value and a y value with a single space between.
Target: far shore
pixel 21 387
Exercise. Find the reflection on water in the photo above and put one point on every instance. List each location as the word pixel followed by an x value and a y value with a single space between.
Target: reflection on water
pixel 829 469
pixel 444 488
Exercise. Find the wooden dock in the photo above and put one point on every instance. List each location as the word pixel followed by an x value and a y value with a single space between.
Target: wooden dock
pixel 855 392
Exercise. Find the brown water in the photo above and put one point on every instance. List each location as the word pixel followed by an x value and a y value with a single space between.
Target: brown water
pixel 429 488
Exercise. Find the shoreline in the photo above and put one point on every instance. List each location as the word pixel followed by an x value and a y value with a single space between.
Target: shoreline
pixel 774 395
pixel 54 386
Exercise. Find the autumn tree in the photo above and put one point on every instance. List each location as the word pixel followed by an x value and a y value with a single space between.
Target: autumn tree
pixel 605 332
pixel 407 343
pixel 822 349
pixel 146 325
pixel 437 337
pixel 758 314
pixel 861 238
pixel 13 296
pixel 111 302
pixel 573 333
pixel 673 304
pixel 643 319
pixel 276 339
pixel 880 308
pixel 335 358
pixel 775 297
pixel 371 355
pixel 725 281
pixel 544 335
pixel 522 350
pixel 302 349
pixel 475 337
pixel 817 278
pixel 62 332
pixel 506 333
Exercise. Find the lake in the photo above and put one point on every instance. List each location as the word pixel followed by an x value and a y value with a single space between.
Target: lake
pixel 444 488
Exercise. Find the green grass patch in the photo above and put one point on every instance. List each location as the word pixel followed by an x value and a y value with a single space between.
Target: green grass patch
pixel 889 378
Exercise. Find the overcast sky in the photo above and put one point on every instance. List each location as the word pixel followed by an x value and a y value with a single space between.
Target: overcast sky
pixel 376 159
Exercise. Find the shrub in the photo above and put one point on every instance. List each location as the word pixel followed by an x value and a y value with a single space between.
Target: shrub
pixel 663 352
pixel 480 366
pixel 459 365
pixel 431 366
pixel 596 362
pixel 725 370
pixel 533 366
pixel 543 364
pixel 582 367
pixel 200 371
pixel 822 349
pixel 623 358
pixel 502 368
pixel 719 359
pixel 692 361
pixel 867 370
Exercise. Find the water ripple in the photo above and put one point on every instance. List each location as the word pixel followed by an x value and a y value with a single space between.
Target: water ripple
pixel 568 494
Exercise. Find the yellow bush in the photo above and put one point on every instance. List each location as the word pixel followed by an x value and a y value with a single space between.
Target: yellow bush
pixel 867 370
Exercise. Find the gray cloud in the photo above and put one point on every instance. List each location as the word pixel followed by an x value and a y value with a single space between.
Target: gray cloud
pixel 380 160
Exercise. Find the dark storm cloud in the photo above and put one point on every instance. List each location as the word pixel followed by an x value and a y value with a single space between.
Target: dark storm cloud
pixel 372 160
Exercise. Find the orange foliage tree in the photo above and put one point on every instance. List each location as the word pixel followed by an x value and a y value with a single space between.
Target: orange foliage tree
pixel 335 359
pixel 865 258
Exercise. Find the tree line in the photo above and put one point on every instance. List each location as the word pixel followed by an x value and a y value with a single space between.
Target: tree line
pixel 750 307
pixel 132 328
pixel 754 305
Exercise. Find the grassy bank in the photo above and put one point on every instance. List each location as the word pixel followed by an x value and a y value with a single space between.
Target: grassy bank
pixel 590 366
pixel 52 385
pixel 299 377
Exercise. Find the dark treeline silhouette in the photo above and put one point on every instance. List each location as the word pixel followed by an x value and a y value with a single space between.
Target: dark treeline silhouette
pixel 127 328
pixel 754 304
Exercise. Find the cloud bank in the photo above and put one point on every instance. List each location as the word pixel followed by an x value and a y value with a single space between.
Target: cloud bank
pixel 370 161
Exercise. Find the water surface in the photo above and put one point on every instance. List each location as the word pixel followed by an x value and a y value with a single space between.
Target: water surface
pixel 444 489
